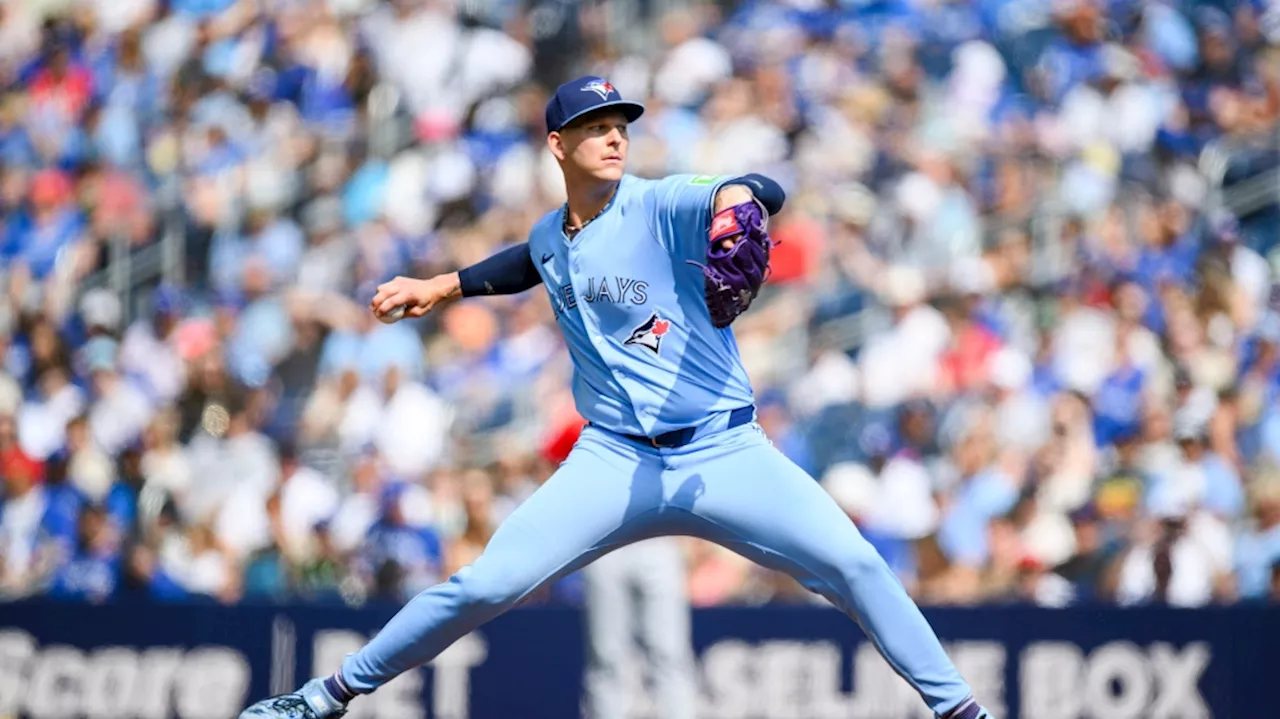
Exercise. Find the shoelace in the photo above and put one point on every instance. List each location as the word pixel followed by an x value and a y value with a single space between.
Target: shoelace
pixel 293 708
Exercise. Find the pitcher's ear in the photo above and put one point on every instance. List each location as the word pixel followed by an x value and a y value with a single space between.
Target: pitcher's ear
pixel 555 142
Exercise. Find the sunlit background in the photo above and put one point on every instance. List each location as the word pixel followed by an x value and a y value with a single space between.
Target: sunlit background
pixel 1022 324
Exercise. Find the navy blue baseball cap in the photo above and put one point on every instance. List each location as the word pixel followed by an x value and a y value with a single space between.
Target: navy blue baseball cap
pixel 585 94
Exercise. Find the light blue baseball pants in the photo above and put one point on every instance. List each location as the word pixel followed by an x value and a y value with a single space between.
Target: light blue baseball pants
pixel 732 487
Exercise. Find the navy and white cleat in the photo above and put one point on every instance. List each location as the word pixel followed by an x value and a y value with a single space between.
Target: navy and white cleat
pixel 309 702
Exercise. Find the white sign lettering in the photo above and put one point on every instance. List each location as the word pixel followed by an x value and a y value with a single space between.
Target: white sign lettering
pixel 61 682
pixel 401 698
pixel 1119 680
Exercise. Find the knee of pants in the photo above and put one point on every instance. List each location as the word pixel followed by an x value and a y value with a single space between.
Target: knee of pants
pixel 859 562
pixel 495 590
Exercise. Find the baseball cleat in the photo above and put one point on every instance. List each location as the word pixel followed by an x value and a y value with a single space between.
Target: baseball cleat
pixel 309 702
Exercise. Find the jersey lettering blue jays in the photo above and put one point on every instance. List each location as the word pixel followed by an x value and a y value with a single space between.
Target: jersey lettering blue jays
pixel 632 308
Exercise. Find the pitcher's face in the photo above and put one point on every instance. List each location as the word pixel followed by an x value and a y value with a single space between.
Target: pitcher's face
pixel 595 145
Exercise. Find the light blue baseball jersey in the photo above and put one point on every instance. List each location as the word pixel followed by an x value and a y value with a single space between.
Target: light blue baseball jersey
pixel 646 357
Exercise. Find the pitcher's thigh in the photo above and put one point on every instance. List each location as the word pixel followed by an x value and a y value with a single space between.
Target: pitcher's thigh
pixel 586 508
pixel 763 506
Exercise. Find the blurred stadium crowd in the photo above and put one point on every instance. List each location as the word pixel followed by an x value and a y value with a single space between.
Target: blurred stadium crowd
pixel 1021 324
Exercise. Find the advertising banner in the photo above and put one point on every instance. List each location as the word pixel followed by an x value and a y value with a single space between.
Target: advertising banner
pixel 206 662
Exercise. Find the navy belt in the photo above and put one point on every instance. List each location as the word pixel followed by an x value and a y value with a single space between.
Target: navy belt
pixel 681 437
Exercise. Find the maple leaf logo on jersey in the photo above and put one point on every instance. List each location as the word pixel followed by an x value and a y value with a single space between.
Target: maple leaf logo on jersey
pixel 650 333
pixel 603 88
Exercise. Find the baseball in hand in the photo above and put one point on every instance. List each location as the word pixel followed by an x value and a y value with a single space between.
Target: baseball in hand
pixel 396 314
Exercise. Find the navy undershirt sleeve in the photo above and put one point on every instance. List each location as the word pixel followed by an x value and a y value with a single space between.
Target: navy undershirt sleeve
pixel 769 193
pixel 508 272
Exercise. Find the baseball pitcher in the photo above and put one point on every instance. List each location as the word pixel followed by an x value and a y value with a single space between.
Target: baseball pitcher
pixel 646 277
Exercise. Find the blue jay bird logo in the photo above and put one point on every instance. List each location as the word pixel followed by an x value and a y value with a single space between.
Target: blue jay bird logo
pixel 603 88
pixel 650 333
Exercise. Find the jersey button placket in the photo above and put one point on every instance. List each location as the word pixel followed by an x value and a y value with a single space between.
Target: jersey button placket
pixel 584 313
pixel 588 319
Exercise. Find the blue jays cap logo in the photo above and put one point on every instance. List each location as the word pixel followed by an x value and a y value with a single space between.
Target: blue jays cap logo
pixel 575 98
pixel 603 88
pixel 650 333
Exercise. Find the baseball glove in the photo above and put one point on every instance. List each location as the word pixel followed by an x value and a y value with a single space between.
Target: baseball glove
pixel 733 277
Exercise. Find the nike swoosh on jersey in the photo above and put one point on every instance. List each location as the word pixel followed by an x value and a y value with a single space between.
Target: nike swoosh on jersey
pixel 547 258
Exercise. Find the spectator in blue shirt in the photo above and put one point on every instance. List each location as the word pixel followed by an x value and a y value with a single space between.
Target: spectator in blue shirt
pixel 1076 55
pixel 60 525
pixel 985 493
pixel 401 560
pixel 1223 493
pixel 91 573
pixel 1258 550
pixel 1171 250
pixel 1117 405
pixel 55 225
pixel 372 349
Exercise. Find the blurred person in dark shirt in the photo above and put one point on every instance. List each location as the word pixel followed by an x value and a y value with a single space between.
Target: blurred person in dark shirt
pixel 294 378
pixel 153 568
pixel 323 576
pixel 41 347
pixel 1221 62
pixel 211 395
pixel 1087 569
